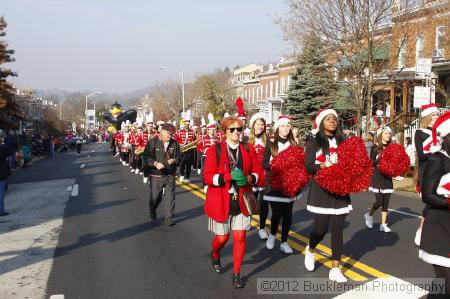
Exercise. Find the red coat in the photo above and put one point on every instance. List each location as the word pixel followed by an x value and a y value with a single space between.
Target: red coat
pixel 217 205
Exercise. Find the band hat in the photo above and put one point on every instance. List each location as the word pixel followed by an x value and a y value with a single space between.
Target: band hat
pixel 428 109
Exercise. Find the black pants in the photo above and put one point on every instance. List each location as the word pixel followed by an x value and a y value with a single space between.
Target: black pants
pixel 381 200
pixel 281 210
pixel 125 156
pixel 443 272
pixel 263 209
pixel 320 228
pixel 186 163
pixel 146 171
pixel 78 148
pixel 137 162
pixel 157 184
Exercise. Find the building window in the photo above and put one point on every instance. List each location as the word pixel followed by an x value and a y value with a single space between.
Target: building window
pixel 276 88
pixel 420 45
pixel 402 53
pixel 440 37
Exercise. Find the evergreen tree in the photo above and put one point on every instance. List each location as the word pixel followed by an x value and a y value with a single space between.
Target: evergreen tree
pixel 6 88
pixel 312 87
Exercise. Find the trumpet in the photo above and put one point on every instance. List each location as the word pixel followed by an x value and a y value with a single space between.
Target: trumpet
pixel 189 146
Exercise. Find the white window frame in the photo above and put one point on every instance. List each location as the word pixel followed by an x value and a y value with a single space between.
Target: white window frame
pixel 420 47
pixel 402 53
pixel 439 28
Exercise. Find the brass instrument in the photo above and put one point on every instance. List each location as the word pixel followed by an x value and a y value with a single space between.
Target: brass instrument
pixel 189 146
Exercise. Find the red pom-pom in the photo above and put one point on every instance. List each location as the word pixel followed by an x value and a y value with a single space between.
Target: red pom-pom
pixel 394 161
pixel 353 171
pixel 288 171
pixel 262 175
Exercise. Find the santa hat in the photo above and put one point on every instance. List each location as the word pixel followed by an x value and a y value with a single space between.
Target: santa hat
pixel 428 109
pixel 382 129
pixel 440 129
pixel 282 119
pixel 160 123
pixel 322 114
pixel 240 108
pixel 256 116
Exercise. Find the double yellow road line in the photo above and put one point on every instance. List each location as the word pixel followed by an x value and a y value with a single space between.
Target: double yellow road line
pixel 351 268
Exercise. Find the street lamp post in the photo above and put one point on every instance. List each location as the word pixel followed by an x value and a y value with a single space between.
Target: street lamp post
pixel 182 80
pixel 85 111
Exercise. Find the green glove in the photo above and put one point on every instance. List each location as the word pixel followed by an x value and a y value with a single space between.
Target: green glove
pixel 239 177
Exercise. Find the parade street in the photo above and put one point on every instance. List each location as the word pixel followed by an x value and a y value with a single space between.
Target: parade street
pixel 109 248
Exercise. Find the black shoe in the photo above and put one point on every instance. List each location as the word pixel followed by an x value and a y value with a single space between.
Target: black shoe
pixel 4 214
pixel 169 222
pixel 217 267
pixel 237 281
pixel 153 216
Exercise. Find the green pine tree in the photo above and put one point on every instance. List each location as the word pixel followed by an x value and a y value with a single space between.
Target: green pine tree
pixel 312 87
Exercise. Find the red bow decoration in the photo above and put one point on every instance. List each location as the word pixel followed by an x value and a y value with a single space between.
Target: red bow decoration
pixel 394 161
pixel 353 171
pixel 288 172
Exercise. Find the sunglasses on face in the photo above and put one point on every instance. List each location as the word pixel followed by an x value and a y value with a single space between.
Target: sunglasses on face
pixel 239 129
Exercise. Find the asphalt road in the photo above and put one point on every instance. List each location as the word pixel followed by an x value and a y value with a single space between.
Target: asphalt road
pixel 108 248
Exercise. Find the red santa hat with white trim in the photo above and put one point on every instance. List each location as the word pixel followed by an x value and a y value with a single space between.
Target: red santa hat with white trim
pixel 320 117
pixel 428 109
pixel 282 119
pixel 441 129
pixel 256 116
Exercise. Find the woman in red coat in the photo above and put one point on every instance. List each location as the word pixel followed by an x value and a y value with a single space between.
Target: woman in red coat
pixel 230 170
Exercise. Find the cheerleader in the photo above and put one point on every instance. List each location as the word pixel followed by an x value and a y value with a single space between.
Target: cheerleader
pixel 435 241
pixel 422 142
pixel 258 139
pixel 380 184
pixel 281 205
pixel 328 209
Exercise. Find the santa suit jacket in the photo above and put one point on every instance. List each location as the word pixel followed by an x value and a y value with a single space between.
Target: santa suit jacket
pixel 218 178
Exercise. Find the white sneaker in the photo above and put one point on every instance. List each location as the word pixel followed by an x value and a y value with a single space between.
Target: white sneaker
pixel 270 241
pixel 369 220
pixel 309 259
pixel 123 163
pixel 262 234
pixel 141 173
pixel 284 247
pixel 336 275
pixel 205 189
pixel 145 180
pixel 418 237
pixel 384 228
pixel 132 170
pixel 136 171
pixel 187 181
pixel 181 180
pixel 199 171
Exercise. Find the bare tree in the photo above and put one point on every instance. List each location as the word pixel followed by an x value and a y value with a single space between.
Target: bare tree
pixel 355 33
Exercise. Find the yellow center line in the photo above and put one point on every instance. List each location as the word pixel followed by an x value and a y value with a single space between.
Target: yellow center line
pixel 300 248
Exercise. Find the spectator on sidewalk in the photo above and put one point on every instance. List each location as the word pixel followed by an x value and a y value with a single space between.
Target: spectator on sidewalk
pixel 11 142
pixel 5 172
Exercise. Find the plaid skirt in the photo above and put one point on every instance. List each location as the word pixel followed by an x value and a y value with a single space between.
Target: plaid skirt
pixel 237 222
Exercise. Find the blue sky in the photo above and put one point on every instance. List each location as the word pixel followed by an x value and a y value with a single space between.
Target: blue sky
pixel 116 46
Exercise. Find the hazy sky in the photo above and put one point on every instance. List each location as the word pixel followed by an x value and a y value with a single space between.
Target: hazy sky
pixel 117 45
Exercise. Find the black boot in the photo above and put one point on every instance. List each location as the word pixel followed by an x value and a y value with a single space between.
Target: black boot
pixel 217 267
pixel 237 281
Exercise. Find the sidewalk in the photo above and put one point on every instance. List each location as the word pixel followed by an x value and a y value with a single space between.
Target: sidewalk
pixel 407 184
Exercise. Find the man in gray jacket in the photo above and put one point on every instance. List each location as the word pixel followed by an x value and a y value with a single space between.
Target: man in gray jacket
pixel 161 157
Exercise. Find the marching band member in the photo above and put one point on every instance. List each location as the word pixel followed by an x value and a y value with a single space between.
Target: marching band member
pixel 242 116
pixel 381 185
pixel 258 139
pixel 281 205
pixel 207 142
pixel 132 141
pixel 230 170
pixel 186 136
pixel 434 245
pixel 201 136
pixel 422 142
pixel 328 209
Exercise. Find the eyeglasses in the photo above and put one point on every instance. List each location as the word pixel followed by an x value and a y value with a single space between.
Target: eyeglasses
pixel 239 129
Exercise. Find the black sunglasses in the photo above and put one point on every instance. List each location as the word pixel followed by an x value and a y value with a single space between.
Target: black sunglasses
pixel 239 129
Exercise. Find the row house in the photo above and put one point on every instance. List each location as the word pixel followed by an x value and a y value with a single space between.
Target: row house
pixel 264 87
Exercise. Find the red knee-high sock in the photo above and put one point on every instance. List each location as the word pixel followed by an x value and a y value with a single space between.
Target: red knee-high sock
pixel 218 243
pixel 238 249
